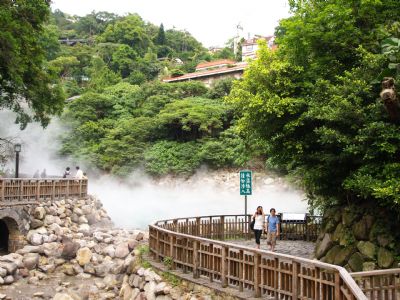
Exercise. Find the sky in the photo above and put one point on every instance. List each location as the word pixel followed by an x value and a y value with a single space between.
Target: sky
pixel 212 22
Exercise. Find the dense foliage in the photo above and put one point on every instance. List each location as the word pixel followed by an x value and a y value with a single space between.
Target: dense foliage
pixel 165 128
pixel 122 117
pixel 314 105
pixel 22 56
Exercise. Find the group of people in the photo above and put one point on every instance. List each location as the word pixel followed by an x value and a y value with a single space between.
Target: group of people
pixel 78 175
pixel 269 224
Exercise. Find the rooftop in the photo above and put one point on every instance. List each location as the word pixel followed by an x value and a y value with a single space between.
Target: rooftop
pixel 205 73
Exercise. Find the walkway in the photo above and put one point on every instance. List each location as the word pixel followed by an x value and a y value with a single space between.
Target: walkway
pixel 296 248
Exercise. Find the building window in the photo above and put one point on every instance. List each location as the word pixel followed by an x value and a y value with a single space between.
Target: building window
pixel 249 48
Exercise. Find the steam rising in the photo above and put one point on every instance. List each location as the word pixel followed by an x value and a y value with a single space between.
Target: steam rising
pixel 139 200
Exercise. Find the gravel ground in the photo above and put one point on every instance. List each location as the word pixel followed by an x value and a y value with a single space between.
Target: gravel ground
pixel 295 248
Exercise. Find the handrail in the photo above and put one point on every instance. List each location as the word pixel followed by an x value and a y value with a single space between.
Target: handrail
pixel 264 272
pixel 21 191
pixel 379 284
pixel 226 226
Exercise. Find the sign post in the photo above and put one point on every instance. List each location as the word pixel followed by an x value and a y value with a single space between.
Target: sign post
pixel 245 186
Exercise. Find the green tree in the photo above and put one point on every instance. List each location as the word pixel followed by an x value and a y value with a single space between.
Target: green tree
pixel 22 75
pixel 129 30
pixel 313 103
pixel 160 40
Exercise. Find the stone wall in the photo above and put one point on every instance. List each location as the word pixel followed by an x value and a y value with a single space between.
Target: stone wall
pixel 360 238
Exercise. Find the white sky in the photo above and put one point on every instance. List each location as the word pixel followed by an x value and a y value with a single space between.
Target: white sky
pixel 212 22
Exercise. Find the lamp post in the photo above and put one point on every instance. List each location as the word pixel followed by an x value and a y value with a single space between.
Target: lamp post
pixel 17 149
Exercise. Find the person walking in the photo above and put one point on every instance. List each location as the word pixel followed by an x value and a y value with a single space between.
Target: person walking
pixel 273 229
pixel 259 224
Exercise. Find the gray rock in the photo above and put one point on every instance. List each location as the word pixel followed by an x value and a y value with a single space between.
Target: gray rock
pixel 132 244
pixel 140 236
pixel 52 249
pixel 360 230
pixel 10 267
pixel 367 248
pixel 35 223
pixel 150 290
pixel 369 266
pixel 385 258
pixel 323 247
pixel 122 250
pixel 39 213
pixel 70 248
pixel 82 220
pixel 83 256
pixel 356 262
pixel 89 268
pixel 103 269
pixel 84 229
pixel 3 272
pixel 8 279
pixel 110 281
pixel 30 249
pixel 36 239
pixel 62 296
pixel 31 260
pixel 109 251
pixel 160 288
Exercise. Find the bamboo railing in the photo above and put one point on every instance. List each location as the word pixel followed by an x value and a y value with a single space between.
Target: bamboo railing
pixel 193 245
pixel 379 284
pixel 29 191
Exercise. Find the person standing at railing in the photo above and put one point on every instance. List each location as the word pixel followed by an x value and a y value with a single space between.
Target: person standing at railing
pixel 79 173
pixel 273 229
pixel 259 225
pixel 67 172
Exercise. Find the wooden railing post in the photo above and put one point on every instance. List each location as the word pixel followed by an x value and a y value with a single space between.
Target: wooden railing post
pixel 67 190
pixel 222 228
pixel 80 188
pixel 38 191
pixel 337 285
pixel 198 226
pixel 53 191
pixel 196 261
pixel 210 232
pixel 3 188
pixel 257 275
pixel 295 279
pixel 21 190
pixel 241 272
pixel 158 255
pixel 224 266
pixel 211 262
pixel 171 251
pixel 307 231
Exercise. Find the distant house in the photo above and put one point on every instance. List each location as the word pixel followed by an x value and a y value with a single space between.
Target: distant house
pixel 216 64
pixel 250 46
pixel 210 72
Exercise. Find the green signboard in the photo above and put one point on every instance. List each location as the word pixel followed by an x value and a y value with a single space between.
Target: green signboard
pixel 245 183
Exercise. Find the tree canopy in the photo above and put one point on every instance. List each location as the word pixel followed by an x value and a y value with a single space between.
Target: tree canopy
pixel 314 107
pixel 24 78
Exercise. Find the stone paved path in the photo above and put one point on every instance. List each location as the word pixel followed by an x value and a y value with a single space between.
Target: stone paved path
pixel 295 248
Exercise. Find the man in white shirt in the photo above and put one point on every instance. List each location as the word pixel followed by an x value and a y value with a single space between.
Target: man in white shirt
pixel 79 173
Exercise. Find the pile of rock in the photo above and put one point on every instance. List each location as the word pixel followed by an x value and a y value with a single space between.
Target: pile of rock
pixel 357 240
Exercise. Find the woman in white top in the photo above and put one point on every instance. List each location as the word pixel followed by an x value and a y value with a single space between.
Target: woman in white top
pixel 259 224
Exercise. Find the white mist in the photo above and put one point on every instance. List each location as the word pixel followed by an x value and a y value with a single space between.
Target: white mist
pixel 140 200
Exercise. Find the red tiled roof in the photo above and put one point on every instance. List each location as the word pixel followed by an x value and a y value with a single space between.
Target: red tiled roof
pixel 215 63
pixel 206 73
